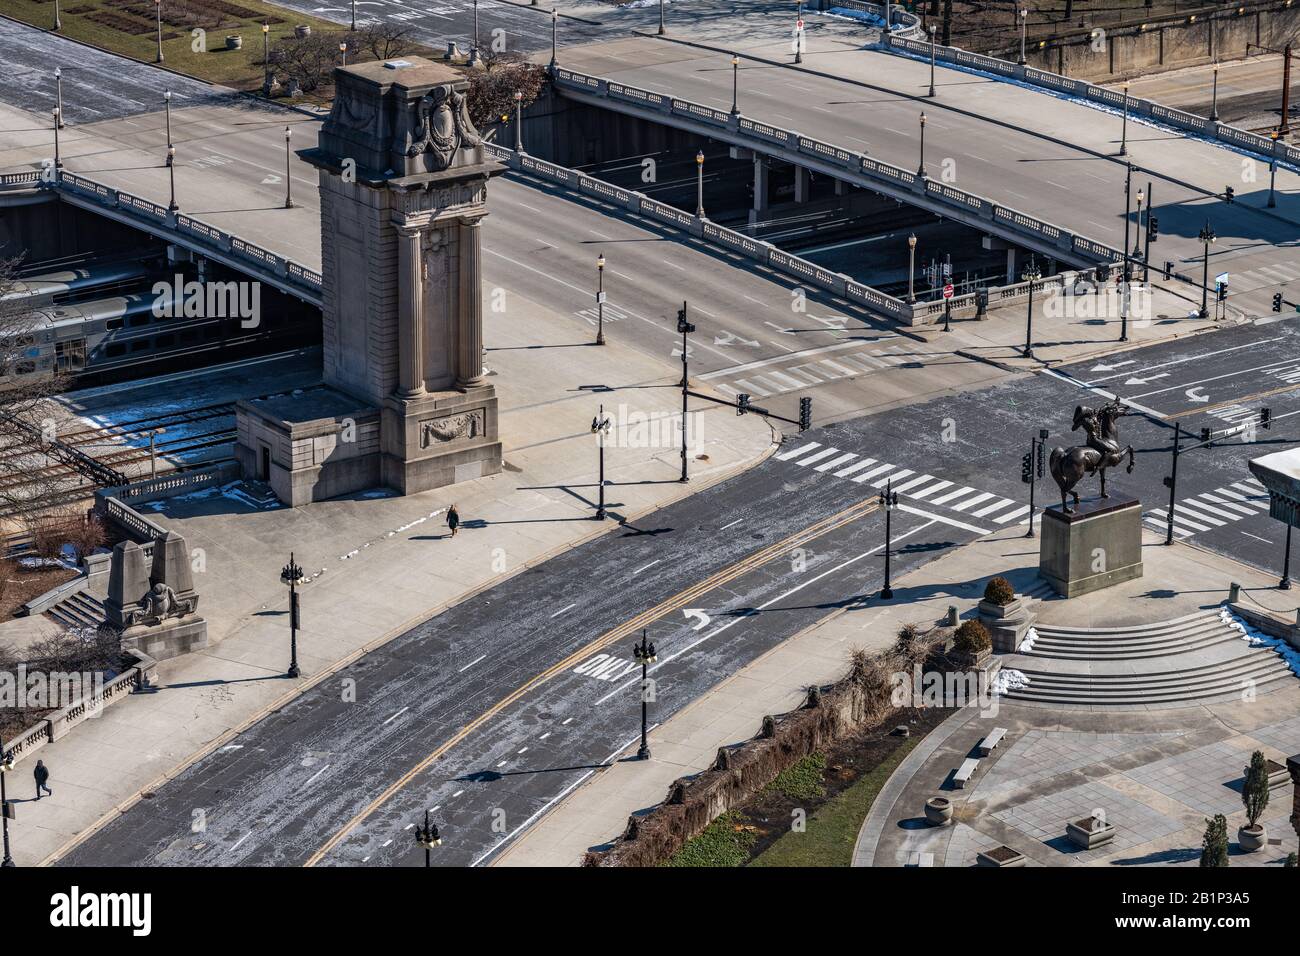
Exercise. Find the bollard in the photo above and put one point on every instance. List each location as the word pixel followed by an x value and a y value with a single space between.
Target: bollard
pixel 1234 593
pixel 951 619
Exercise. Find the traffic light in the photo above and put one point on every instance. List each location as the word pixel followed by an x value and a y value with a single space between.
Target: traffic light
pixel 1223 291
pixel 805 414
pixel 1169 269
pixel 1229 194
pixel 1026 468
pixel 682 325
pixel 1153 228
pixel 1205 435
pixel 1277 301
pixel 1266 418
pixel 1041 446
pixel 1103 273
pixel 742 403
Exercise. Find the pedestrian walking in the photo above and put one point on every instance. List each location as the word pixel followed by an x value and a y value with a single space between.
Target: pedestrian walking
pixel 42 774
pixel 453 520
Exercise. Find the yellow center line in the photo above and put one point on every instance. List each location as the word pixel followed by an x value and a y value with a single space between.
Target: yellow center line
pixel 825 526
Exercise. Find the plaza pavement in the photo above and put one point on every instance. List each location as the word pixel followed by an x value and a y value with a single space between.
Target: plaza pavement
pixel 378 565
pixel 1212 743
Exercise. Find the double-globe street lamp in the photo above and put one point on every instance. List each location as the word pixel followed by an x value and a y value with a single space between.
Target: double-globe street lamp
pixel 291 576
pixel 600 428
pixel 644 654
pixel 1207 236
pixel 428 837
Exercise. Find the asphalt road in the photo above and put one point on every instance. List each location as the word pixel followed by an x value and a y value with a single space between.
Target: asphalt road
pixel 1249 94
pixel 490 712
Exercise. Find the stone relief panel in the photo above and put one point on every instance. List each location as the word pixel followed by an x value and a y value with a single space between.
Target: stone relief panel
pixel 461 427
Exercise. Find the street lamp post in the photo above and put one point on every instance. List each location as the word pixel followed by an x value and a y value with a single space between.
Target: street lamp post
pixel 343 51
pixel 1145 237
pixel 473 46
pixel 428 837
pixel 58 22
pixel 685 328
pixel 354 16
pixel 600 299
pixel 1207 236
pixel 798 34
pixel 1030 275
pixel 57 113
pixel 699 184
pixel 1214 96
pixel 920 170
pixel 266 59
pixel 911 268
pixel 1285 583
pixel 735 84
pixel 6 764
pixel 600 428
pixel 288 178
pixel 1128 207
pixel 661 17
pixel 1137 226
pixel 888 501
pixel 171 177
pixel 167 111
pixel 519 122
pixel 555 21
pixel 158 8
pixel 644 654
pixel 58 93
pixel 1036 446
pixel 1172 481
pixel 932 28
pixel 1024 17
pixel 291 576
pixel 1123 137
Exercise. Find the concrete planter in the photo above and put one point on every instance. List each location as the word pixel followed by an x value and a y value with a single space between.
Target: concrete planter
pixel 1089 833
pixel 938 811
pixel 1252 837
pixel 997 612
pixel 1006 623
pixel 1000 856
pixel 234 42
pixel 301 31
pixel 1277 774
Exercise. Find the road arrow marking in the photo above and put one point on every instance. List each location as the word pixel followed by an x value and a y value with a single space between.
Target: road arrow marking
pixel 699 615
pixel 1143 381
pixel 1192 395
pixel 1111 368
pixel 731 338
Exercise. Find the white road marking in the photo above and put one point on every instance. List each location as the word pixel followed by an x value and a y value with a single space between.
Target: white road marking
pixel 471 664
pixel 396 715
pixel 313 777
pixel 728 525
pixel 563 609
pixel 650 565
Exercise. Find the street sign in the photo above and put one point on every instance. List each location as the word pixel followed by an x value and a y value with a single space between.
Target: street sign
pixel 799 24
pixel 9 810
pixel 947 291
pixel 600 298
pixel 1221 279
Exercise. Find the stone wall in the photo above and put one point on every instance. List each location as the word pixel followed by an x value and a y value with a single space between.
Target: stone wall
pixel 1167 44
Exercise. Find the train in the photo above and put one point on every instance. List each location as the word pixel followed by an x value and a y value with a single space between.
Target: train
pixel 139 329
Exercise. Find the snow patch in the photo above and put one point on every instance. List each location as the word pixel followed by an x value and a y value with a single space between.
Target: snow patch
pixel 1257 638
pixel 1009 679
pixel 1027 645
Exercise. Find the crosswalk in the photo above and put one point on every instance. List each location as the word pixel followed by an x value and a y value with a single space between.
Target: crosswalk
pixel 1262 277
pixel 1212 509
pixel 929 489
pixel 807 369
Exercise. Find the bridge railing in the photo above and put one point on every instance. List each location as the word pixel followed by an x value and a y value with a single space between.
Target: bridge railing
pixel 204 236
pixel 763 137
pixel 1264 146
pixel 907 313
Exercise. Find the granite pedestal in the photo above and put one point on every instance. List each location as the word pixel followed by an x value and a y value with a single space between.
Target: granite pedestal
pixel 1098 544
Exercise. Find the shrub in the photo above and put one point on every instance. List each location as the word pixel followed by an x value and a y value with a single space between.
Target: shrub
pixel 1292 862
pixel 1214 845
pixel 972 639
pixel 908 636
pixel 999 591
pixel 1254 794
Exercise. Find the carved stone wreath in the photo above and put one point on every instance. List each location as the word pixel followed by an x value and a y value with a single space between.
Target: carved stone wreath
pixel 453 427
pixel 444 126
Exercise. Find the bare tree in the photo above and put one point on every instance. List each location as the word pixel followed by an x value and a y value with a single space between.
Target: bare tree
pixel 383 40
pixel 307 60
pixel 30 482
pixel 492 91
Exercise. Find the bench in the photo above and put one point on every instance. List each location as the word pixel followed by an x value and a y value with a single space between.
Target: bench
pixel 989 743
pixel 963 773
pixel 917 858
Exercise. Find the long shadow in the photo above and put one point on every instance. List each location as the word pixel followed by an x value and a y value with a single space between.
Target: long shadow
pixel 492 776
pixel 217 682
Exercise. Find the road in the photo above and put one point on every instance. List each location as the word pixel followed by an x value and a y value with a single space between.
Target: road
pixel 492 711
pixel 1250 91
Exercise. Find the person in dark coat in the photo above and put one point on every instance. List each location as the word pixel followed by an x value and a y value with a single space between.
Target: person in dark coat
pixel 42 774
pixel 453 520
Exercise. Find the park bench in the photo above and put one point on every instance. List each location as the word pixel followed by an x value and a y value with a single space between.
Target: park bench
pixel 989 743
pixel 963 773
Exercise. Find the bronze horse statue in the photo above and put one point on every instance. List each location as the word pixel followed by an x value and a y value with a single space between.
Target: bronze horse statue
pixel 1103 450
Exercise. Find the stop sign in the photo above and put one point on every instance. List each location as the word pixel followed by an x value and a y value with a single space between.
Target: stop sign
pixel 947 291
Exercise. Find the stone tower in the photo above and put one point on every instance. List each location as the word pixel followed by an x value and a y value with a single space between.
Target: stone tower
pixel 403 190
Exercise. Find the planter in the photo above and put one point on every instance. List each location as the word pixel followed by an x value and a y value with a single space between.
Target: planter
pixel 1278 776
pixel 1252 837
pixel 938 811
pixel 1089 833
pixel 1000 856
pixel 234 42
pixel 302 31
pixel 995 612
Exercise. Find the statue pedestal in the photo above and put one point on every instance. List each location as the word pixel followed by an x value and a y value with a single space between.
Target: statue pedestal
pixel 1098 545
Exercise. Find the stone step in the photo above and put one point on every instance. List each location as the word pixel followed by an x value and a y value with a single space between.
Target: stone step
pixel 1191 622
pixel 1106 686
pixel 1168 648
pixel 78 611
pixel 1173 695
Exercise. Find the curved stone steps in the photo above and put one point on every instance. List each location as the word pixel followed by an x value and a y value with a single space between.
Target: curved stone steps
pixel 1170 696
pixel 1085 650
pixel 1215 678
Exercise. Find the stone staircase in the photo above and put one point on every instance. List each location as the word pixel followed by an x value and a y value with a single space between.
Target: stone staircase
pixel 1193 659
pixel 81 610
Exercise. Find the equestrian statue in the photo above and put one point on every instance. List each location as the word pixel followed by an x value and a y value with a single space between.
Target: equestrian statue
pixel 1103 450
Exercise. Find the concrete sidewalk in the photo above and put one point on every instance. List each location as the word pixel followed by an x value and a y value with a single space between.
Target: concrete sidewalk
pixel 733 711
pixel 379 564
